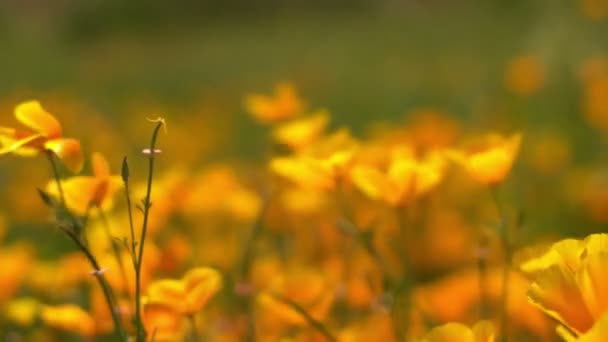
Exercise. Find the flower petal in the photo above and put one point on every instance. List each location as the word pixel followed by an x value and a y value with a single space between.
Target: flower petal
pixel 69 151
pixel 32 115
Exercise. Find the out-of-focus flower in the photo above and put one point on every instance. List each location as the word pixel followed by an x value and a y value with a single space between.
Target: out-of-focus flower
pixel 456 332
pixel 571 284
pixel 301 132
pixel 525 75
pixel 217 190
pixel 45 135
pixel 188 295
pixel 284 104
pixel 594 76
pixel 405 178
pixel 22 311
pixel 462 291
pixel 489 160
pixel 310 290
pixel 88 192
pixel 594 9
pixel 165 323
pixel 15 263
pixel 68 317
pixel 549 154
pixel 321 165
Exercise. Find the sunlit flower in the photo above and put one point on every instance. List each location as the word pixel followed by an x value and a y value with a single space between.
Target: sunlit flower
pixel 284 104
pixel 321 165
pixel 301 132
pixel 85 192
pixel 68 317
pixel 456 332
pixel 570 282
pixel 405 178
pixel 15 262
pixel 45 135
pixel 489 161
pixel 188 295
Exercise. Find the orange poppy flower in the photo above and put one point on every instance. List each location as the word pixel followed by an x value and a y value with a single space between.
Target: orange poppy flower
pixel 188 295
pixel 68 317
pixel 283 105
pixel 84 192
pixel 45 135
pixel 489 160
pixel 456 332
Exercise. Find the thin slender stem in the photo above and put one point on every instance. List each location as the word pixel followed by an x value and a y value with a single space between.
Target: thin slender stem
pixel 107 291
pixel 194 330
pixel 131 226
pixel 506 241
pixel 141 332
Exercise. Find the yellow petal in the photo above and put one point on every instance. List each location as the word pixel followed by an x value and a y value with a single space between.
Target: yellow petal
pixel 70 318
pixel 201 284
pixel 10 145
pixel 35 117
pixel 69 151
pixel 300 133
pixel 451 332
pixel 78 191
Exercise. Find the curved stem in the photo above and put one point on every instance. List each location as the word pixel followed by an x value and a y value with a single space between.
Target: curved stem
pixel 77 227
pixel 141 332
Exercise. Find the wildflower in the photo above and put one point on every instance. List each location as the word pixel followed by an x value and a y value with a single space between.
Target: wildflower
pixel 456 332
pixel 525 75
pixel 321 165
pixel 68 317
pixel 188 295
pixel 15 262
pixel 490 160
pixel 85 192
pixel 283 105
pixel 22 311
pixel 308 289
pixel 405 178
pixel 163 322
pixel 45 136
pixel 570 283
pixel 302 132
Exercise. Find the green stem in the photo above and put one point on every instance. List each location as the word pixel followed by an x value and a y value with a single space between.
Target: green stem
pixel 194 331
pixel 506 242
pixel 107 291
pixel 141 332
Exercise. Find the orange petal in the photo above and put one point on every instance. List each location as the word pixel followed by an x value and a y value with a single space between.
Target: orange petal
pixel 201 284
pixel 35 117
pixel 100 165
pixel 69 151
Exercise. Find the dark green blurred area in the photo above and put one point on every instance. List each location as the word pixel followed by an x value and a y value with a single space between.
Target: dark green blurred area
pixel 362 59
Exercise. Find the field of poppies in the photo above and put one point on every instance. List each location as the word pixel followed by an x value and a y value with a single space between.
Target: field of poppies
pixel 354 171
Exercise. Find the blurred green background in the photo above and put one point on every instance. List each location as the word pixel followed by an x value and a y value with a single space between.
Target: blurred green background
pixel 364 60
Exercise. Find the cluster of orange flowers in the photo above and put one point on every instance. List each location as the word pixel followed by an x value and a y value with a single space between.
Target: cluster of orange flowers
pixel 400 236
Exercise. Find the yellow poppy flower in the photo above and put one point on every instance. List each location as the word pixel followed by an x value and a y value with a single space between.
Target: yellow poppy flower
pixel 85 192
pixel 319 166
pixel 571 284
pixel 405 178
pixel 489 160
pixel 189 294
pixel 68 317
pixel 283 105
pixel 456 332
pixel 45 135
pixel 301 132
